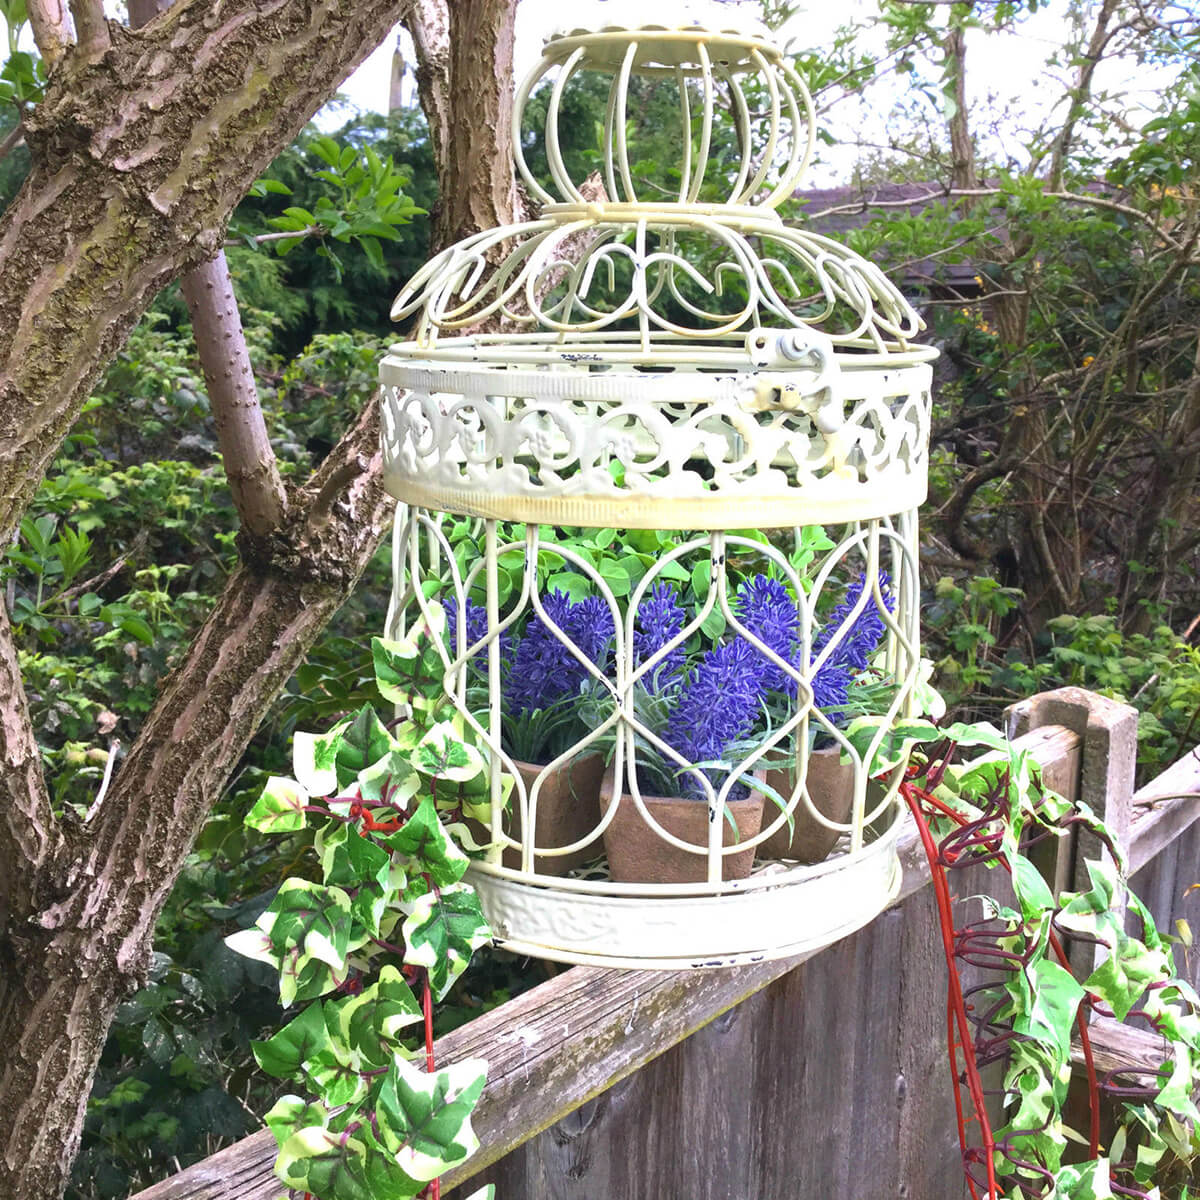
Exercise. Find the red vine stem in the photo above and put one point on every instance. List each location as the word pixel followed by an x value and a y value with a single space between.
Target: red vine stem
pixel 957 1015
pixel 434 1191
pixel 913 794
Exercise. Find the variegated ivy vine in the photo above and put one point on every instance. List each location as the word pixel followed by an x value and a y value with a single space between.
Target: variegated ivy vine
pixel 390 914
pixel 1029 1004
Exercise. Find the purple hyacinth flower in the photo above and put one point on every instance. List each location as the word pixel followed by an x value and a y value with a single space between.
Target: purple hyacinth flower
pixel 476 630
pixel 768 611
pixel 718 705
pixel 659 621
pixel 854 646
pixel 543 670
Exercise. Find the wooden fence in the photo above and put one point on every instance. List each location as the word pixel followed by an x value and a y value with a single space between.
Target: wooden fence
pixel 822 1077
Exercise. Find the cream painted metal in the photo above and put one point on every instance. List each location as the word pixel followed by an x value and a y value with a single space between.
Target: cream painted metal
pixel 666 362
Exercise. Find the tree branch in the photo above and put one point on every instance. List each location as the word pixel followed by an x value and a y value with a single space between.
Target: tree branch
pixel 14 138
pixel 962 150
pixel 250 465
pixel 182 116
pixel 30 837
pixel 142 12
pixel 428 23
pixel 1080 93
pixel 467 98
pixel 91 28
pixel 51 35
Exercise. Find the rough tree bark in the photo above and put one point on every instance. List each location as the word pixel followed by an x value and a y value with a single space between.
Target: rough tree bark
pixel 138 159
pixel 250 465
pixel 464 73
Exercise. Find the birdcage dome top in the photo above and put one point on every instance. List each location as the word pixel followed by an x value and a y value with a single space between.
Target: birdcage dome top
pixel 729 37
pixel 664 241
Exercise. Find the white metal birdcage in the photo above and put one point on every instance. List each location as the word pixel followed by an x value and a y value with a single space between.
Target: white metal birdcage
pixel 673 486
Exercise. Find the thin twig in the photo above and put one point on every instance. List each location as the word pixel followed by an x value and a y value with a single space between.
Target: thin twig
pixel 113 747
pixel 91 28
pixel 281 236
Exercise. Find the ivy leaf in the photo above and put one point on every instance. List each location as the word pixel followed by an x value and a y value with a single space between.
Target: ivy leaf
pixel 334 1077
pixel 445 926
pixel 312 918
pixel 1084 1181
pixel 1031 889
pixel 300 1040
pixel 253 943
pixel 424 840
pixel 348 859
pixel 1054 1001
pixel 371 901
pixel 444 754
pixel 280 808
pixel 425 1118
pixel 290 1114
pixel 1123 976
pixel 364 741
pixel 1176 1094
pixel 314 759
pixel 327 1164
pixel 371 1023
pixel 410 671
pixel 392 777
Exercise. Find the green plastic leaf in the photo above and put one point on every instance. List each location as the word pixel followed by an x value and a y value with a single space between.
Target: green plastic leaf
pixel 1123 976
pixel 280 808
pixel 445 926
pixel 442 752
pixel 314 759
pixel 410 671
pixel 364 741
pixel 1056 996
pixel 372 1023
pixel 330 1165
pixel 1031 889
pixel 253 943
pixel 1084 1181
pixel 1176 1094
pixel 300 1040
pixel 424 839
pixel 290 1114
pixel 334 1075
pixel 348 859
pixel 312 918
pixel 425 1119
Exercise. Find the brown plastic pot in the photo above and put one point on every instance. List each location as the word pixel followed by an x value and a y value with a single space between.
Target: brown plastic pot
pixel 566 811
pixel 638 854
pixel 831 789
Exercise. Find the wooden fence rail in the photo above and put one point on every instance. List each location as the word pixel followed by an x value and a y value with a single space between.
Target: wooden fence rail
pixel 809 1078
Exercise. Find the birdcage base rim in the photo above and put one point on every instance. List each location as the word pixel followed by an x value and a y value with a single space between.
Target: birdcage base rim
pixel 810 908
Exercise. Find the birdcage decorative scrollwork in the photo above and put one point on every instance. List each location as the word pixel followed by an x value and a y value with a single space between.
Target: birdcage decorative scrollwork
pixel 658 460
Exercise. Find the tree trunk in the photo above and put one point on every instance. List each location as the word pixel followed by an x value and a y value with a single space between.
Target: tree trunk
pixel 88 916
pixel 464 69
pixel 138 160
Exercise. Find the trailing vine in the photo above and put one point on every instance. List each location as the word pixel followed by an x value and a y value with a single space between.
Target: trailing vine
pixel 385 932
pixel 1024 1012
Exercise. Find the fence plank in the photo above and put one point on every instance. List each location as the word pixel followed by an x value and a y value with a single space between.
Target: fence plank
pixel 1157 825
pixel 569 1040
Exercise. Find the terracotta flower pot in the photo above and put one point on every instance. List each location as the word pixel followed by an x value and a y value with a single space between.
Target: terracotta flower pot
pixel 566 811
pixel 831 789
pixel 638 854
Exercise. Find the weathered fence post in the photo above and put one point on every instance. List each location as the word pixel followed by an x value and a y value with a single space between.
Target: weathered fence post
pixel 1108 730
